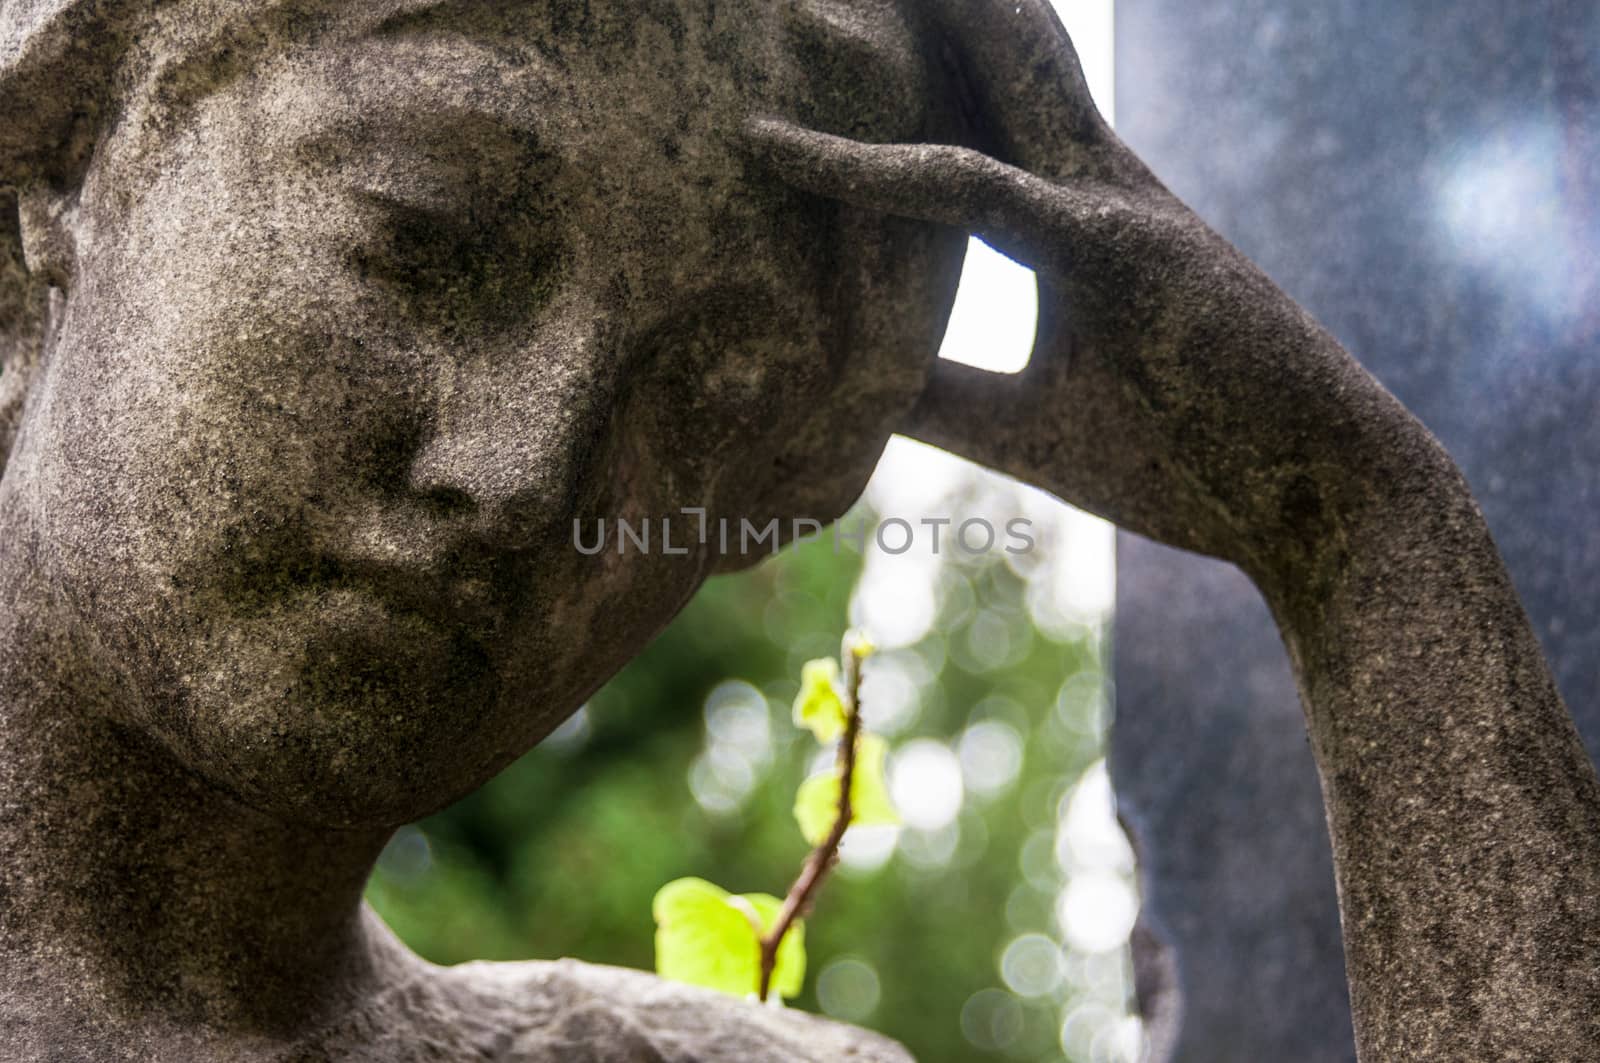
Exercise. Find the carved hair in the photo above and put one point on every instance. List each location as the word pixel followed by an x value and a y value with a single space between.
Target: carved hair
pixel 23 302
pixel 56 64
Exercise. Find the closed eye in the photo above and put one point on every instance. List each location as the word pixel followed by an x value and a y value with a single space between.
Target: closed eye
pixel 475 268
pixel 460 224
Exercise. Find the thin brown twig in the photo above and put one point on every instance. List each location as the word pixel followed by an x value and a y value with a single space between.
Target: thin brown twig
pixel 825 855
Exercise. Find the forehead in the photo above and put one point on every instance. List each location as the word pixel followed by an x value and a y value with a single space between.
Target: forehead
pixel 256 153
pixel 639 101
pixel 841 65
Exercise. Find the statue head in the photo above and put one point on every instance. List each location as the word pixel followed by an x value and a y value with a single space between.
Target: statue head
pixel 323 322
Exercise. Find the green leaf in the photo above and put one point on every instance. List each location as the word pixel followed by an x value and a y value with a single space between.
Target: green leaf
pixel 816 806
pixel 818 706
pixel 706 936
pixel 703 939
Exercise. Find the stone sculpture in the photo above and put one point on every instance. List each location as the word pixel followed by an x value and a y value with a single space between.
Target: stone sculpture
pixel 324 321
pixel 1441 224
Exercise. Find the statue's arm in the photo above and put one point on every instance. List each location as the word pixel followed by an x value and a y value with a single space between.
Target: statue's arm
pixel 1176 391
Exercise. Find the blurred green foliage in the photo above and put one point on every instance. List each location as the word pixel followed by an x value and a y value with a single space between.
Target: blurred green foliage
pixel 561 854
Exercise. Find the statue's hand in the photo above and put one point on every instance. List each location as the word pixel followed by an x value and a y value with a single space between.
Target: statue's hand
pixel 1173 389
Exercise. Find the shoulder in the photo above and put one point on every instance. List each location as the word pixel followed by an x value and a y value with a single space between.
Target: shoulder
pixel 570 1012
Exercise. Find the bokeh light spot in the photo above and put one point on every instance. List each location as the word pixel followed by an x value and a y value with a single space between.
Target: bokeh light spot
pixel 991 756
pixel 992 1020
pixel 1031 966
pixel 925 783
pixel 1097 910
pixel 848 989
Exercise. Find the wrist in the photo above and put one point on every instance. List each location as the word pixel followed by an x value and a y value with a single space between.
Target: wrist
pixel 1393 515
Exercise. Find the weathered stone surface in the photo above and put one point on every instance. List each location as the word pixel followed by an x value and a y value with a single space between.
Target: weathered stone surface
pixel 1189 400
pixel 1422 177
pixel 323 323
pixel 330 319
pixel 561 1012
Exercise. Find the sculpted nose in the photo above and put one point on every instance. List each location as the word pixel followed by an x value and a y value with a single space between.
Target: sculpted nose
pixel 513 437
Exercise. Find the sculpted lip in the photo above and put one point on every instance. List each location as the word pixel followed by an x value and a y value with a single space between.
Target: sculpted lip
pixel 445 592
pixel 459 589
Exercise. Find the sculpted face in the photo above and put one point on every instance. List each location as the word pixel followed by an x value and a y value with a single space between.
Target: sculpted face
pixel 358 327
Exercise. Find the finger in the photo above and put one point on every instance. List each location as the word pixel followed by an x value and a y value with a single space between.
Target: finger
pixel 1068 450
pixel 1026 217
pixel 1025 78
pixel 1076 437
pixel 1032 102
pixel 970 411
